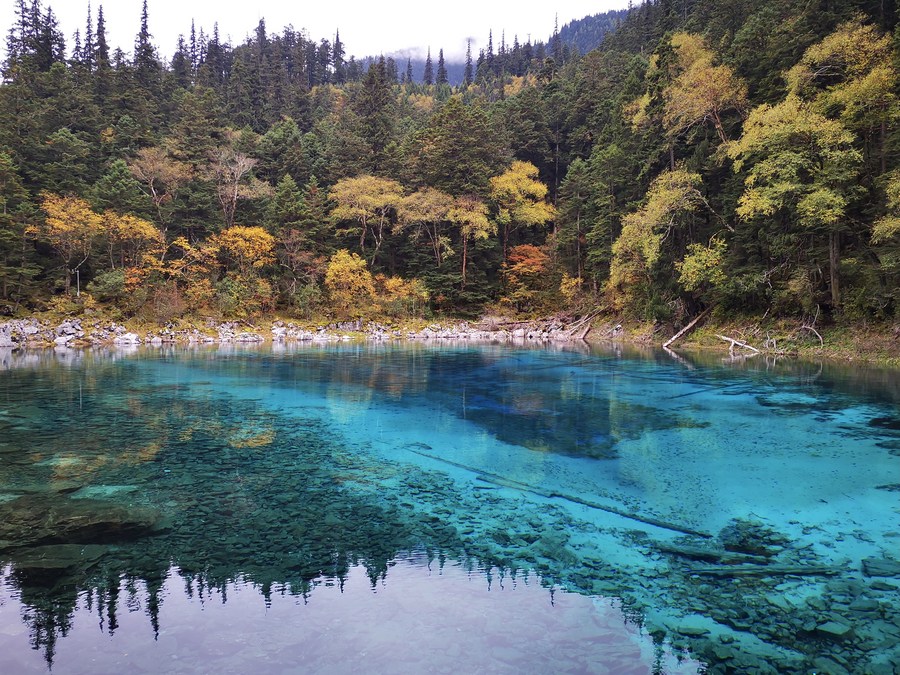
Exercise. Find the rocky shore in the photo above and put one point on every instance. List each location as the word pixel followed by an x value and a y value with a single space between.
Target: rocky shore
pixel 36 333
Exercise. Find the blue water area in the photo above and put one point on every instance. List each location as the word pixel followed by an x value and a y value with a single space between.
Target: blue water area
pixel 475 508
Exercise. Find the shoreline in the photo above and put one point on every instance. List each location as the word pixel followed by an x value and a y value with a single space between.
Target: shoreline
pixel 875 345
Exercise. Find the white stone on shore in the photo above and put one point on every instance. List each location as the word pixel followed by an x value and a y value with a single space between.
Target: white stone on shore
pixel 127 339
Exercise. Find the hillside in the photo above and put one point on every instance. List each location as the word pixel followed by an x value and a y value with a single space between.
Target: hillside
pixel 741 158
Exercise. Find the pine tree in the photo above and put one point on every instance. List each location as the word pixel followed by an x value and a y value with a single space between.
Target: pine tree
pixel 103 69
pixel 181 64
pixel 375 106
pixel 337 60
pixel 408 76
pixel 441 69
pixel 468 73
pixel 146 65
pixel 428 76
pixel 88 50
pixel 194 53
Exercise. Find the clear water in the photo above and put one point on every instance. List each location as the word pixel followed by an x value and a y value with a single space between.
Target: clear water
pixel 446 509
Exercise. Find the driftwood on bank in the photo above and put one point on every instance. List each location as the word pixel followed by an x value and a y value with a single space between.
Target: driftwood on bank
pixel 584 324
pixel 560 327
pixel 736 343
pixel 525 487
pixel 687 329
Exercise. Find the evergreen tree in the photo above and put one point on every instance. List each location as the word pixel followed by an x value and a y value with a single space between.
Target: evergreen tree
pixel 375 107
pixel 468 73
pixel 337 60
pixel 194 50
pixel 441 69
pixel 428 76
pixel 89 46
pixel 146 65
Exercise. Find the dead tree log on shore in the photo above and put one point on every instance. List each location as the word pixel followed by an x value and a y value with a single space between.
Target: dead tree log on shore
pixel 687 329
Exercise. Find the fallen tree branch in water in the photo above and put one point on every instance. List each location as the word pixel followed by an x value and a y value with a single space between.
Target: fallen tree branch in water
pixel 525 487
pixel 768 571
pixel 710 555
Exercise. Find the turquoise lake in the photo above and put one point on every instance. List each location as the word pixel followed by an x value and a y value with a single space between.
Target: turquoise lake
pixel 411 508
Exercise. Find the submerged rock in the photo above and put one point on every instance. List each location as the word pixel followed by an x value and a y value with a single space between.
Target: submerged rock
pixel 694 625
pixel 750 537
pixel 46 519
pixel 834 630
pixel 881 567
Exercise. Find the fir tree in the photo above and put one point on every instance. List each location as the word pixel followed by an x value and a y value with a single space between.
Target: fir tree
pixel 337 60
pixel 88 50
pixel 428 75
pixel 146 65
pixel 441 69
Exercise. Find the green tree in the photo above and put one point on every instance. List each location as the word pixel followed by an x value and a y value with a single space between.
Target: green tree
pixel 638 249
pixel 801 168
pixel 376 110
pixel 458 150
pixel 117 190
pixel 428 75
pixel 441 77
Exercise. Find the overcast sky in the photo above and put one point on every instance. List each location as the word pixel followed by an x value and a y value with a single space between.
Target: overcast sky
pixel 366 28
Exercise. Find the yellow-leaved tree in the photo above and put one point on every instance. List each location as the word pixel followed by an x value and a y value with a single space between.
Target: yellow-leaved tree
pixel 851 75
pixel 520 199
pixel 801 168
pixel 426 212
pixel 349 283
pixel 246 250
pixel 71 227
pixel 636 252
pixel 368 202
pixel 702 91
pixel 470 215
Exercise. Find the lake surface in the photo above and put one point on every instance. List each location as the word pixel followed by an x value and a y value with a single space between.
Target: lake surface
pixel 409 508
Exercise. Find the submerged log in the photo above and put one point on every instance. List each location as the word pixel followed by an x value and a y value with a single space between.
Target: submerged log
pixel 533 489
pixel 768 571
pixel 710 555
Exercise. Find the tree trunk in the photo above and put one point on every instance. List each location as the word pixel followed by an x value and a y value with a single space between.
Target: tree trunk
pixel 834 256
pixel 465 251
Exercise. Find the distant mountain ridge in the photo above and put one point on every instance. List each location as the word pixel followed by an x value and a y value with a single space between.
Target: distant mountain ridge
pixel 586 34
pixel 581 35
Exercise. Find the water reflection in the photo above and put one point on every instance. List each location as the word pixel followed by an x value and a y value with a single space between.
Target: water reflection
pixel 419 617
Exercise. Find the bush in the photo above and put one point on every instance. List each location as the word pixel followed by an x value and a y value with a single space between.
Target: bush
pixel 108 286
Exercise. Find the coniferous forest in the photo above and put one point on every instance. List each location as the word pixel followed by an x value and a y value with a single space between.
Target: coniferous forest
pixel 733 154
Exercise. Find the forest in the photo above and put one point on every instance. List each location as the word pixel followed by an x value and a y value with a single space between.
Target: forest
pixel 734 155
